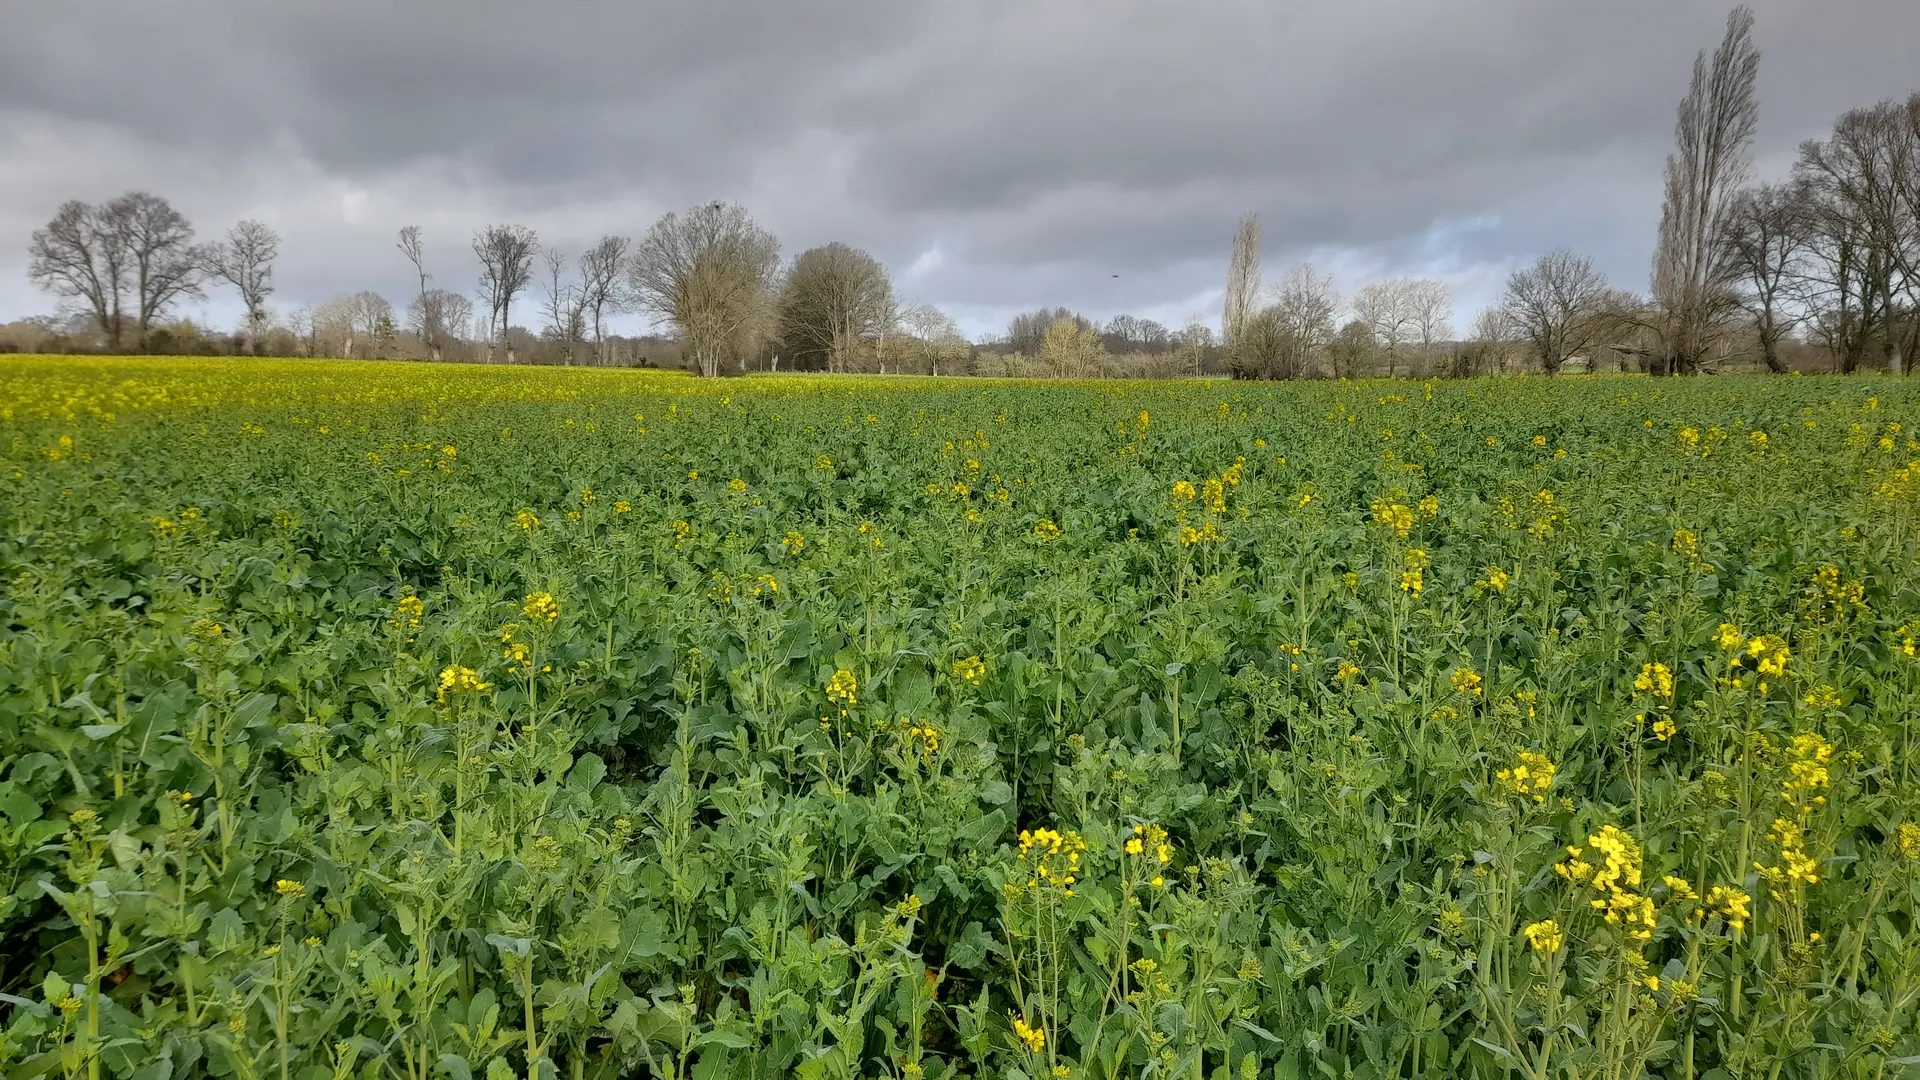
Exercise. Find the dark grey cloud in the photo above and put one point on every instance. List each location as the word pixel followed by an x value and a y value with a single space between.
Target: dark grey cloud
pixel 998 154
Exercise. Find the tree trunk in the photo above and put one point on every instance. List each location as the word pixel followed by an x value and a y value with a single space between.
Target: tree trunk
pixel 1770 352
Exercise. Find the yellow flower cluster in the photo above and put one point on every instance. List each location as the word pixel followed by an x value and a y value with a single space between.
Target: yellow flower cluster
pixel 1686 544
pixel 1531 776
pixel 1206 534
pixel 516 653
pixel 527 520
pixel 1412 579
pixel 1615 874
pixel 1494 580
pixel 843 689
pixel 288 889
pixel 1032 1038
pixel 1769 653
pixel 1149 841
pixel 1183 492
pixel 1053 857
pixel 1821 697
pixel 541 608
pixel 1732 905
pixel 408 612
pixel 1045 530
pixel 1394 515
pixel 1724 902
pixel 1907 838
pixel 1830 596
pixel 460 680
pixel 1796 868
pixel 793 542
pixel 1469 682
pixel 970 670
pixel 924 738
pixel 1545 936
pixel 1807 773
pixel 1655 679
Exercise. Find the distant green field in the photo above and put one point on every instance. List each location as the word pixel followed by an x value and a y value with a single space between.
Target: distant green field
pixel 401 720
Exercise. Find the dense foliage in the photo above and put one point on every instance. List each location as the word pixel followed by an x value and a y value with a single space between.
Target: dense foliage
pixel 408 721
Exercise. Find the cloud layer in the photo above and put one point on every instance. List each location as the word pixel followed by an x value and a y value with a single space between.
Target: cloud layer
pixel 998 155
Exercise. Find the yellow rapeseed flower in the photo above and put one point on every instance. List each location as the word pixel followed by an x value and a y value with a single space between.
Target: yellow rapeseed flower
pixel 1655 679
pixel 1907 838
pixel 1545 936
pixel 1531 776
pixel 541 607
pixel 1733 906
pixel 460 680
pixel 843 689
pixel 970 670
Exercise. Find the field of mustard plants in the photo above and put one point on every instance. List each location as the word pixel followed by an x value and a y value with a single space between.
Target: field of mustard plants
pixel 382 720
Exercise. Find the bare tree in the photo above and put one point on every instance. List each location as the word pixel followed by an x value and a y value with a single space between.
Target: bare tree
pixel 245 261
pixel 506 267
pixel 1243 281
pixel 1350 348
pixel 1072 349
pixel 1306 302
pixel 1557 305
pixel 561 307
pixel 429 329
pixel 96 255
pixel 1388 310
pixel 161 258
pixel 602 269
pixel 1862 193
pixel 1693 275
pixel 886 324
pixel 370 318
pixel 1028 330
pixel 1767 242
pixel 1432 305
pixel 79 257
pixel 1121 334
pixel 299 324
pixel 333 327
pixel 708 272
pixel 1195 339
pixel 939 339
pixel 439 316
pixel 1266 348
pixel 835 298
pixel 1488 347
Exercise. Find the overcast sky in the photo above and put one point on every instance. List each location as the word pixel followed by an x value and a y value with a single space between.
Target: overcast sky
pixel 997 155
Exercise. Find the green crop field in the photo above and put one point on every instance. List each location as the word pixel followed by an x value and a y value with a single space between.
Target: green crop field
pixel 396 720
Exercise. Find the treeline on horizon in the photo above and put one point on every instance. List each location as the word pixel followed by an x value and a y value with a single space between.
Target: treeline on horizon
pixel 1816 271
